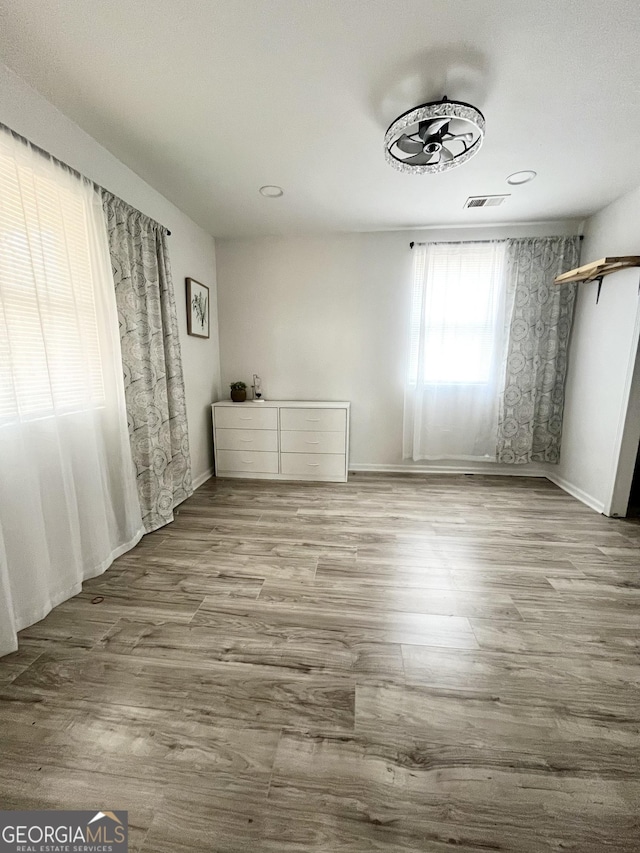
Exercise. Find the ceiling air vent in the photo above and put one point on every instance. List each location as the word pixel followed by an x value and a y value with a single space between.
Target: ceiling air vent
pixel 485 200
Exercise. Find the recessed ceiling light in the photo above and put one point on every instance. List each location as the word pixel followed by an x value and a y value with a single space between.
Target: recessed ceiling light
pixel 521 177
pixel 271 191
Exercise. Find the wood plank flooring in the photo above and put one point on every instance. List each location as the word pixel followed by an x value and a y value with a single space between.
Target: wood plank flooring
pixel 396 664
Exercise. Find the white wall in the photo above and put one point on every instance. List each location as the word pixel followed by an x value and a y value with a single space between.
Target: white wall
pixel 327 318
pixel 602 406
pixel 191 249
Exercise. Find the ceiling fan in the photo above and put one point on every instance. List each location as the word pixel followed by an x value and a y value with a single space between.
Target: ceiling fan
pixel 434 137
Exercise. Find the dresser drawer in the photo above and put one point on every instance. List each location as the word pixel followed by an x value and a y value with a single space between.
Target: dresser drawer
pixel 316 420
pixel 321 466
pixel 246 417
pixel 247 461
pixel 303 441
pixel 247 439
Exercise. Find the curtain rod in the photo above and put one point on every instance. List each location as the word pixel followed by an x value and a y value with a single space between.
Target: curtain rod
pixel 497 240
pixel 73 171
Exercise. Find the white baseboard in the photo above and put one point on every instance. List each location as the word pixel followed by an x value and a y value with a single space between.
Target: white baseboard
pixel 575 492
pixel 492 468
pixel 202 478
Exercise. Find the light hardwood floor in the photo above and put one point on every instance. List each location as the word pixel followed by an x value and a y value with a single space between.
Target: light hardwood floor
pixel 396 664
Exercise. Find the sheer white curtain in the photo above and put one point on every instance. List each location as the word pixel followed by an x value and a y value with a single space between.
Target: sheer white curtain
pixel 68 500
pixel 458 340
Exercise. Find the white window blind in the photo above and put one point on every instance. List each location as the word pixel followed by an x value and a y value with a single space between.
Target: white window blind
pixel 50 358
pixel 457 294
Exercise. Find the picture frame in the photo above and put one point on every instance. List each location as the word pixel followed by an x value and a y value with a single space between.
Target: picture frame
pixel 197 309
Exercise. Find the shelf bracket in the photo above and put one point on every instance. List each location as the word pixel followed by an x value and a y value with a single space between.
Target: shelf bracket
pixel 599 280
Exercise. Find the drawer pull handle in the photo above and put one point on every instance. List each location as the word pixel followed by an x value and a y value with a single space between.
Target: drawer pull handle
pixel 242 418
pixel 313 464
pixel 247 462
pixel 312 419
pixel 312 442
pixel 246 439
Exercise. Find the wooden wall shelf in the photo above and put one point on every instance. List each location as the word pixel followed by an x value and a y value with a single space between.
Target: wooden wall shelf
pixel 597 270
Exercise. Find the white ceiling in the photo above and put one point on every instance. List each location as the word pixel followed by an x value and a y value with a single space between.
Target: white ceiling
pixel 210 99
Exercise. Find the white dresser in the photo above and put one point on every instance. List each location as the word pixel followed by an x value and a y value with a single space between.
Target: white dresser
pixel 282 440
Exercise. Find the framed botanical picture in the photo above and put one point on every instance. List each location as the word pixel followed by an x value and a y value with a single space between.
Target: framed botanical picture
pixel 197 309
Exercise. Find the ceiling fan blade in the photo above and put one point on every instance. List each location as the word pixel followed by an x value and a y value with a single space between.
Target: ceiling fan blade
pixel 419 160
pixel 459 125
pixel 445 155
pixel 466 138
pixel 427 129
pixel 408 145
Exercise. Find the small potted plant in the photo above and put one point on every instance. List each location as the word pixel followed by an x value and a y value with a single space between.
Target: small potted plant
pixel 238 392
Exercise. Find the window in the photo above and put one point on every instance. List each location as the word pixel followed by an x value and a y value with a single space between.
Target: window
pixel 458 340
pixel 68 496
pixel 50 358
pixel 456 312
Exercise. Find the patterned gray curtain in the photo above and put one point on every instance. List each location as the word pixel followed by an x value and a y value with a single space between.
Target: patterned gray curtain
pixel 530 423
pixel 153 379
